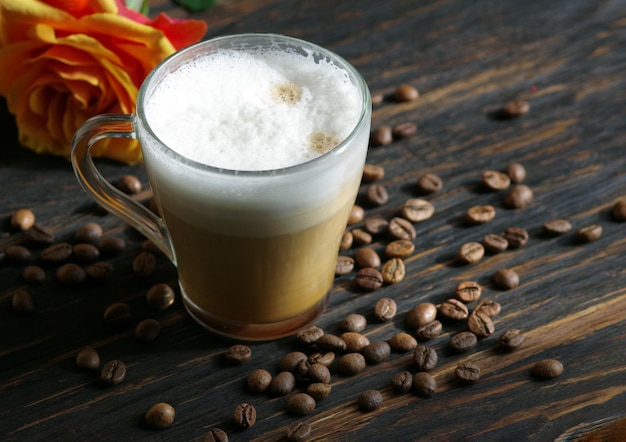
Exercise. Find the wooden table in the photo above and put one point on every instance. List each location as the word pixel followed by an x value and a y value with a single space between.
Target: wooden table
pixel 566 58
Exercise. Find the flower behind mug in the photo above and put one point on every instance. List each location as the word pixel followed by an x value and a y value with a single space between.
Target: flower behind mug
pixel 64 61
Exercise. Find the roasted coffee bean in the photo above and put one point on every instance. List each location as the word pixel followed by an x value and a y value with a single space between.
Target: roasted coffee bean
pixel 259 380
pixel 372 172
pixel 518 197
pixel 495 243
pixel 402 382
pixel 319 373
pixel 480 214
pixel 57 253
pixel 547 369
pixel 382 136
pixel 516 236
pixel 375 225
pixel 144 264
pixel 618 211
pixel 367 257
pixel 346 240
pixel 344 265
pixel 147 330
pixel 330 342
pixel 429 331
pixel 494 180
pixel 403 342
pixel 310 334
pixel 41 234
pixel 425 358
pixel 112 245
pixel 160 296
pixel 361 237
pixel 393 271
pixel 17 254
pixel 429 183
pixel 376 352
pixel 467 373
pixel 354 322
pixel 322 357
pixel 489 307
pixel 290 361
pixel 400 248
pixel 99 271
pixel 85 252
pixel 516 171
pixel 71 274
pixel 417 210
pixel 463 341
pixel 301 404
pixel 34 275
pixel 351 363
pixel 557 226
pixel 89 232
pixel 22 219
pixel 355 342
pixel 401 228
pixel 405 92
pixel 377 195
pixel 128 184
pixel 506 278
pixel 298 432
pixel 88 359
pixel 283 383
pixel 480 324
pixel 424 384
pixel 369 279
pixel 516 108
pixel 511 339
pixel 421 314
pixel 22 302
pixel 453 309
pixel 357 213
pixel 468 291
pixel 238 354
pixel 385 309
pixel 318 390
pixel 589 233
pixel 160 416
pixel 118 315
pixel 403 130
pixel 370 400
pixel 113 372
pixel 216 435
pixel 244 415
pixel 302 370
pixel 471 252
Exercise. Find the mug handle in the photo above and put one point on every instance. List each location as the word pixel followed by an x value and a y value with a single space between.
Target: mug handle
pixel 105 194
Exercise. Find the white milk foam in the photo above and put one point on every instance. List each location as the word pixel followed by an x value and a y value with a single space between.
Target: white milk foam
pixel 254 111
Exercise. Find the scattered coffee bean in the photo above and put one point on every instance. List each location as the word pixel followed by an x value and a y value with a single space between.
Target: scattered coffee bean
pixel 557 226
pixel 301 404
pixel 516 236
pixel 160 416
pixel 290 361
pixel 506 278
pixel 99 271
pixel 511 339
pixel 160 296
pixel 516 171
pixel 589 233
pixel 283 383
pixel 516 108
pixel 57 253
pixel 302 371
pixel 17 254
pixel 216 435
pixel 112 245
pixel 463 341
pixel 403 342
pixel 471 252
pixel 85 252
pixel 113 372
pixel 346 240
pixel 382 136
pixel 344 265
pixel 41 234
pixel 22 219
pixel 494 180
pixel 330 342
pixel 319 390
pixel 298 432
pixel 468 291
pixel 495 243
pixel 403 130
pixel 369 279
pixel 354 322
pixel 361 237
pixel 401 228
pixel 489 307
pixel 618 211
pixel 425 358
pixel 480 324
pixel 322 357
pixel 147 330
pixel 144 264
pixel 357 213
pixel 351 363
pixel 377 195
pixel 372 172
pixel 259 380
pixel 34 275
pixel 88 359
pixel 376 352
pixel 424 384
pixel 244 415
pixel 238 354
pixel 429 331
pixel 355 342
pixel 89 232
pixel 375 225
pixel 429 183
pixel 467 373
pixel 453 309
pixel 71 275
pixel 480 214
pixel 393 271
pixel 385 309
pixel 118 315
pixel 406 92
pixel 367 257
pixel 421 314
pixel 370 400
pixel 547 369
pixel 319 373
pixel 402 382
pixel 128 184
pixel 310 334
pixel 22 302
pixel 518 197
pixel 417 210
pixel 400 248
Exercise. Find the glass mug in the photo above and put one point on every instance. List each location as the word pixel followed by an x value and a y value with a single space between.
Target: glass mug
pixel 255 250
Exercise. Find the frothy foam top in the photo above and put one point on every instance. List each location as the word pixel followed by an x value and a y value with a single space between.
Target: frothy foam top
pixel 254 111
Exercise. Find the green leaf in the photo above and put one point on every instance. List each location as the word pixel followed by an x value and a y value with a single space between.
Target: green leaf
pixel 142 6
pixel 196 5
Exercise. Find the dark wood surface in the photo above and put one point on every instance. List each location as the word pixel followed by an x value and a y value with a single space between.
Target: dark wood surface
pixel 565 57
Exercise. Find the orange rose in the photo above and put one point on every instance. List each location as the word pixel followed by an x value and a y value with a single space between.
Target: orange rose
pixel 64 61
